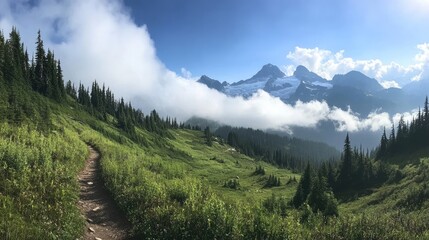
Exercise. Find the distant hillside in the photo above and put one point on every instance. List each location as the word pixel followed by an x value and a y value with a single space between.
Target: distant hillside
pixel 292 153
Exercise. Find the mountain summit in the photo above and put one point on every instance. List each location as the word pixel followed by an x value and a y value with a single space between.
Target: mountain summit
pixel 269 71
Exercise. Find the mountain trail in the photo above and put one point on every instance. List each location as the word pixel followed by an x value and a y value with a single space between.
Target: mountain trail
pixel 104 220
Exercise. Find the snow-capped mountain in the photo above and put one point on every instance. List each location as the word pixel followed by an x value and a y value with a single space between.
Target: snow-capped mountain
pixel 270 79
pixel 362 93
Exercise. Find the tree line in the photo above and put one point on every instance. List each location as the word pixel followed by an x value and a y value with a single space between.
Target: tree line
pixel 43 74
pixel 320 186
pixel 407 137
pixel 19 77
pixel 283 151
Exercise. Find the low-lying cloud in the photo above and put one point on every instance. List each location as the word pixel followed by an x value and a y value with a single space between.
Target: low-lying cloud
pixel 98 40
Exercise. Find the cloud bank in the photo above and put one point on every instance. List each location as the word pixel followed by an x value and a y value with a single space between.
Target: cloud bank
pixel 98 39
pixel 327 63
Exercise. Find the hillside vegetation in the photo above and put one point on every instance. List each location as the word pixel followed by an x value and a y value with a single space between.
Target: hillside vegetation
pixel 173 182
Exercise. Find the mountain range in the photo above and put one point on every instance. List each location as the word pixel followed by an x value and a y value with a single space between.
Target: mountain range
pixel 362 93
pixel 353 89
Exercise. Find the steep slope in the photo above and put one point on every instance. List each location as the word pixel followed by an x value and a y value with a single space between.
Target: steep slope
pixel 211 83
pixel 303 74
pixel 405 198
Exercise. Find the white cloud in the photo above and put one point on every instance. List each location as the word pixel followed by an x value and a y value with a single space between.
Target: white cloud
pixel 408 116
pixel 327 64
pixel 389 84
pixel 98 40
pixel 350 121
pixel 186 73
pixel 423 56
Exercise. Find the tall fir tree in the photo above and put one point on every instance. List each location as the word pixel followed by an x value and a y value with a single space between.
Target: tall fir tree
pixel 38 81
pixel 208 136
pixel 60 80
pixel 346 165
pixel 382 151
pixel 304 187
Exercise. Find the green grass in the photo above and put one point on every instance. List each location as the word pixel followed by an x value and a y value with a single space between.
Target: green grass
pixel 174 187
pixel 38 188
pixel 218 163
pixel 398 195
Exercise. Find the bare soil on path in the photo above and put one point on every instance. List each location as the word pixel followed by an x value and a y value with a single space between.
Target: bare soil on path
pixel 103 218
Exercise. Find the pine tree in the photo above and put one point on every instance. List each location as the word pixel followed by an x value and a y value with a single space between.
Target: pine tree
pixel 9 67
pixel 304 187
pixel 17 55
pixel 50 77
pixel 345 175
pixel 426 112
pixel 60 80
pixel 38 82
pixel 299 197
pixel 316 198
pixel 382 151
pixel 208 136
pixel 321 199
pixel 331 176
pixel 71 90
pixel 2 49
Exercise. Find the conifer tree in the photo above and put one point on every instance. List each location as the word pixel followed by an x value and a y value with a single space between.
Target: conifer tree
pixel 38 82
pixel 9 71
pixel 2 46
pixel 208 136
pixel 304 187
pixel 382 151
pixel 346 165
pixel 331 176
pixel 316 198
pixel 60 80
pixel 426 111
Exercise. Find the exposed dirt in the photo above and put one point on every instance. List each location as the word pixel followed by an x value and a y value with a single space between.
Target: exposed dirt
pixel 103 218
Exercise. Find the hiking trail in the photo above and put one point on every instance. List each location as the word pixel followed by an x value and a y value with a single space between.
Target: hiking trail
pixel 104 220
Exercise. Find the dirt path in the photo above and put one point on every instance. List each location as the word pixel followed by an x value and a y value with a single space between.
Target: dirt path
pixel 103 218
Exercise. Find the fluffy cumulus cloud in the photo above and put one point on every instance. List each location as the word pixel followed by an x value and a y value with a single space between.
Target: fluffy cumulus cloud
pixel 98 39
pixel 407 116
pixel 327 63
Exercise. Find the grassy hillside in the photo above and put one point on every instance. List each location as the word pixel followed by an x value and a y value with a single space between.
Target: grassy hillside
pixel 406 194
pixel 173 187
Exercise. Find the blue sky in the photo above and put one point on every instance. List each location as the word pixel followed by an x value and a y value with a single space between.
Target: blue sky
pixel 230 40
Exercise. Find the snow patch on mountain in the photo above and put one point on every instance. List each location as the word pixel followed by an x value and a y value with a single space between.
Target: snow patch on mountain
pixel 245 89
pixel 323 84
pixel 285 93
